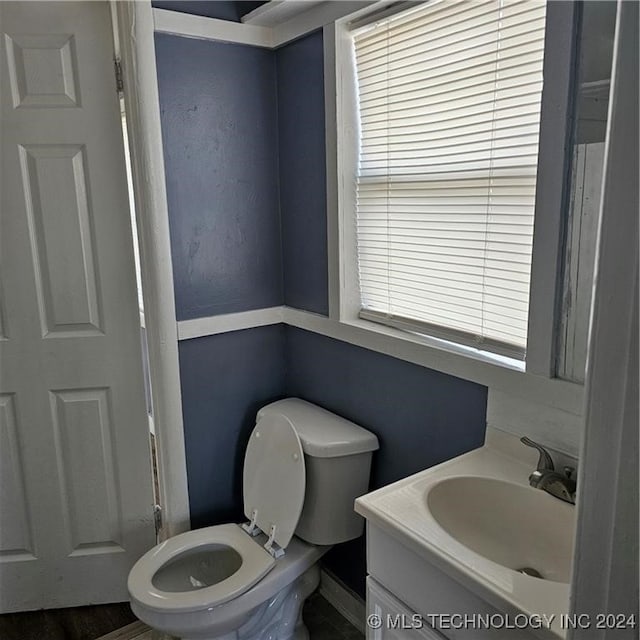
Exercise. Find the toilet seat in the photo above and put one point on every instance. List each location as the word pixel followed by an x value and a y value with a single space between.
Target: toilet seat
pixel 256 563
pixel 274 481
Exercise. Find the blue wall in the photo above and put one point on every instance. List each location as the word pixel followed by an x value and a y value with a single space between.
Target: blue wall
pixel 303 202
pixel 421 417
pixel 219 129
pixel 225 380
pixel 243 132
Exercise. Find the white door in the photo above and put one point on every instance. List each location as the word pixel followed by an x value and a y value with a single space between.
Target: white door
pixel 75 479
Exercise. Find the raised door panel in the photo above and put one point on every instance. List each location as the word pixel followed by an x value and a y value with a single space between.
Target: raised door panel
pixel 42 70
pixel 16 536
pixel 62 238
pixel 4 329
pixel 83 425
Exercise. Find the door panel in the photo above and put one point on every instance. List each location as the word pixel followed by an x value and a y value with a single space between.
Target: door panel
pixel 16 539
pixel 76 486
pixel 60 230
pixel 90 509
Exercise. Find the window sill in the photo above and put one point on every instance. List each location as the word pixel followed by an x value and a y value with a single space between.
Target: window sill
pixel 431 342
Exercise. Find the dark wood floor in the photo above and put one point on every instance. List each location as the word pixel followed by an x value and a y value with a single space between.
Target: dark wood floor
pixel 81 623
pixel 325 623
pixel 89 623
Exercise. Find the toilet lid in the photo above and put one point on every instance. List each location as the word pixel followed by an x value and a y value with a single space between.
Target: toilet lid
pixel 274 477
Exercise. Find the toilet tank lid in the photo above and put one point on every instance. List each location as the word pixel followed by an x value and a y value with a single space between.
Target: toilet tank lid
pixel 322 434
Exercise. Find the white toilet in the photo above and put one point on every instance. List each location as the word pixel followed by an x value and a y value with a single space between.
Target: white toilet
pixel 303 469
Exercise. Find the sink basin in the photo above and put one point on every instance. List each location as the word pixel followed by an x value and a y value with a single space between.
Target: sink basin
pixel 518 527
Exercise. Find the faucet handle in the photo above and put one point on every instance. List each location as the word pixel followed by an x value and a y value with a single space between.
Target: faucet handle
pixel 545 463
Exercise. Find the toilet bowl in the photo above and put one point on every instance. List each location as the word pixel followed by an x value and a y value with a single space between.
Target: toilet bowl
pixel 213 611
pixel 303 469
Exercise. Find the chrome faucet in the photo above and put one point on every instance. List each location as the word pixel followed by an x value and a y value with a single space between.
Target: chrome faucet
pixel 545 476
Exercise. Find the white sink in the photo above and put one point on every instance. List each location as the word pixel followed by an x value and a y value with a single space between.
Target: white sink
pixel 465 529
pixel 518 527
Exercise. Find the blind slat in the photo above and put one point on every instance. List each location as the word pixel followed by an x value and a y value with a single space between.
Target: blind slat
pixel 449 106
pixel 441 17
pixel 457 71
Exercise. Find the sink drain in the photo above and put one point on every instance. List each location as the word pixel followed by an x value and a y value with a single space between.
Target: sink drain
pixel 530 571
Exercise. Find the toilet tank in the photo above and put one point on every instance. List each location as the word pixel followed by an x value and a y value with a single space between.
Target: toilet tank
pixel 337 455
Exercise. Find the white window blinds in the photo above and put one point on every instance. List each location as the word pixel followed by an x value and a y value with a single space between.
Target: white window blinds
pixel 449 106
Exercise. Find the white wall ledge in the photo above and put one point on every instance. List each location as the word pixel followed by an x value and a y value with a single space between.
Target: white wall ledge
pixel 276 12
pixel 190 26
pixel 224 323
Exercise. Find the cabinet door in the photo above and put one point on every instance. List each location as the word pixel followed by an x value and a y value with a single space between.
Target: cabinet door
pixel 393 619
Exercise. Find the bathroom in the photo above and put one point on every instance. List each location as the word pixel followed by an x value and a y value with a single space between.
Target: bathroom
pixel 239 135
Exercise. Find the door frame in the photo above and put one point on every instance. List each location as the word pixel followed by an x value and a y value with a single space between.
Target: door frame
pixel 135 48
pixel 605 572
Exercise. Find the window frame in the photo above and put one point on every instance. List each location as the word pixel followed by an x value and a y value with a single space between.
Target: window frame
pixel 552 192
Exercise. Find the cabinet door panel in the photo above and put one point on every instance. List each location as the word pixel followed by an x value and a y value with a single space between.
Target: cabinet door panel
pixel 396 621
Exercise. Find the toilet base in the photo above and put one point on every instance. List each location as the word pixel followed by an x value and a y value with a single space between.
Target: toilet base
pixel 279 618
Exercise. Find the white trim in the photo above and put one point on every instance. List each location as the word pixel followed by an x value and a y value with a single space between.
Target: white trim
pixel 331 157
pixel 135 24
pixel 212 325
pixel 605 573
pixel 580 252
pixel 316 16
pixel 275 12
pixel 184 24
pixel 348 604
pixel 552 187
pixel 344 137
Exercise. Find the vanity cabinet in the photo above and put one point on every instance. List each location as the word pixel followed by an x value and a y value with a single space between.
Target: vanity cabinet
pixel 402 584
pixel 390 619
pixel 450 545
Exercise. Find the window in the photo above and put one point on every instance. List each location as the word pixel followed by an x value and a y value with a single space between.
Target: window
pixel 449 99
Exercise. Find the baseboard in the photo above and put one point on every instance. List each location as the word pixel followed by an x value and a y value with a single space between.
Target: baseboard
pixel 134 631
pixel 349 604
